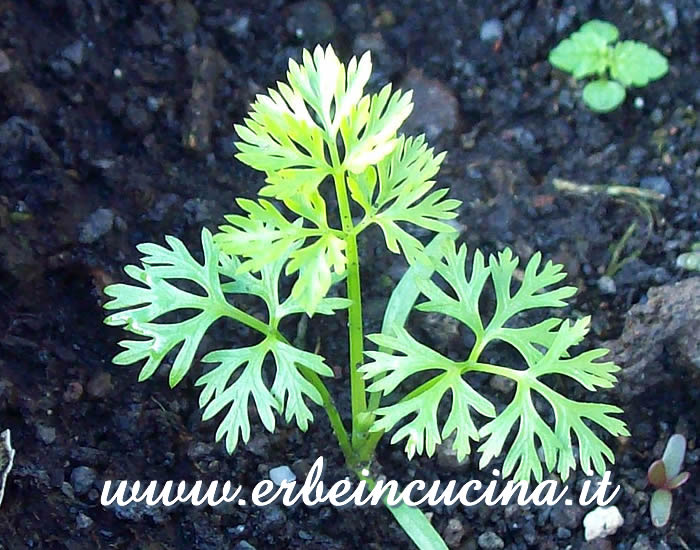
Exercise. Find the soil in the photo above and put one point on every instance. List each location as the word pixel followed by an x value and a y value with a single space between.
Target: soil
pixel 116 128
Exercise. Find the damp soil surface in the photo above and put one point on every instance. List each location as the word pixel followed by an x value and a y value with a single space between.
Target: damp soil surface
pixel 116 128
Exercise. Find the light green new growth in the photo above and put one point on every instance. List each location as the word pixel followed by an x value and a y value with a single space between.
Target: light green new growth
pixel 591 51
pixel 320 129
pixel 544 347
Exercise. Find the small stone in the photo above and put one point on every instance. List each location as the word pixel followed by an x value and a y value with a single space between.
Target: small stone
pixel 198 210
pixel 244 545
pixel 163 207
pixel 99 385
pixel 138 118
pixel 657 116
pixel 602 522
pixel 75 53
pixel 116 104
pixel 447 457
pixel 82 478
pixel 62 68
pixel 670 15
pixel 312 21
pixel 490 541
pixel 200 450
pixel 453 533
pixel 258 445
pixel 274 516
pixel 46 434
pixel 73 393
pixel 491 30
pixel 502 384
pixel 96 226
pixel 642 543
pixel 656 183
pixel 5 63
pixel 564 20
pixel 636 156
pixel 607 285
pixel 186 17
pixel 83 522
pixel 239 28
pixel 563 533
pixel 282 473
pixel 436 109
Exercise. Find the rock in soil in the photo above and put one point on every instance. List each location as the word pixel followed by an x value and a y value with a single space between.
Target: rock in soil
pixel 660 339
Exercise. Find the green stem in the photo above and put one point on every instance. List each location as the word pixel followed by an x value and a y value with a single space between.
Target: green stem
pixel 333 415
pixel 354 293
pixel 328 404
pixel 248 320
pixel 513 374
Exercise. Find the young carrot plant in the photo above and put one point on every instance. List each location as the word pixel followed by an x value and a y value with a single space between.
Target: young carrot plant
pixel 323 143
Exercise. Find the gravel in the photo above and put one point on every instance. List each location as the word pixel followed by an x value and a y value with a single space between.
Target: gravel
pixel 82 479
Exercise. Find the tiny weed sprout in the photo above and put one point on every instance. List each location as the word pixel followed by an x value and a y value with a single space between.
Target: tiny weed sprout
pixel 335 164
pixel 665 474
pixel 690 260
pixel 593 50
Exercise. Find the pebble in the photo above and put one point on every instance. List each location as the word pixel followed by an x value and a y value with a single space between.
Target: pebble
pixel 564 20
pixel 138 118
pixel 568 517
pixel 670 15
pixel 435 108
pixel 312 21
pixel 602 522
pixel 46 434
pixel 73 393
pixel 62 68
pixel 502 384
pixel 607 285
pixel 274 516
pixel 83 522
pixel 642 543
pixel 282 473
pixel 491 30
pixel 98 224
pixel 99 385
pixel 490 541
pixel 239 28
pixel 5 63
pixel 447 457
pixel 244 545
pixel 453 533
pixel 636 156
pixel 75 53
pixel 656 183
pixel 82 478
pixel 657 116
pixel 186 17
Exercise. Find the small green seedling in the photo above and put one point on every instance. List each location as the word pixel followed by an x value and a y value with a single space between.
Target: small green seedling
pixel 592 51
pixel 320 137
pixel 690 260
pixel 665 474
